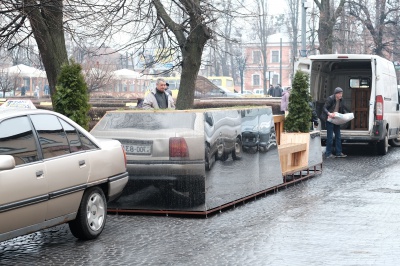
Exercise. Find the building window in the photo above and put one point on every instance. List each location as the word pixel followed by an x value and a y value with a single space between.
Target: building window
pixel 256 57
pixel 256 80
pixel 275 79
pixel 275 57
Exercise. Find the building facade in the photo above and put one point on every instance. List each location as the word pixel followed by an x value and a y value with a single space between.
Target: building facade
pixel 279 63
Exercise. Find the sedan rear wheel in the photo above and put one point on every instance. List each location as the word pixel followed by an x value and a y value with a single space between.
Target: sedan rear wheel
pixel 91 217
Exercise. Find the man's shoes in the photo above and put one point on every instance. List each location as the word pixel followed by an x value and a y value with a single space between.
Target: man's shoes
pixel 342 155
pixel 330 156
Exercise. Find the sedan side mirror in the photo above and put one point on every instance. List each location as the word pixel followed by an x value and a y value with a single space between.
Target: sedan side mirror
pixel 7 162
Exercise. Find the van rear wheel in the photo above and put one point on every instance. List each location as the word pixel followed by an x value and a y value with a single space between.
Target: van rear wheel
pixel 383 146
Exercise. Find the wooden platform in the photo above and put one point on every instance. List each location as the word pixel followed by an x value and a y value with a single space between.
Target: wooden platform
pixel 293 152
pixel 293 157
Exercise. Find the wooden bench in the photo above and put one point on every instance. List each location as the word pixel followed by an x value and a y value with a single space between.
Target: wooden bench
pixel 292 157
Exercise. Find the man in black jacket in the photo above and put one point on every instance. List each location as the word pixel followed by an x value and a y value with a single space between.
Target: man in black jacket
pixel 333 104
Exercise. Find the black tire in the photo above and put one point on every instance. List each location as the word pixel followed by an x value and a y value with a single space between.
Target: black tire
pixel 91 217
pixel 383 146
pixel 237 151
pixel 395 142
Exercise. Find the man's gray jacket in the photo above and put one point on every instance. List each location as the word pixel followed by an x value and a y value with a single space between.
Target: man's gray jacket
pixel 150 101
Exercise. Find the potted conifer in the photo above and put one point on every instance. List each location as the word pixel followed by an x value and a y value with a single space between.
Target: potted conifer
pixel 294 142
pixel 299 117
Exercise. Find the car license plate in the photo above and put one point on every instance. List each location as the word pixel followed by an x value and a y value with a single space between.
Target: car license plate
pixel 137 147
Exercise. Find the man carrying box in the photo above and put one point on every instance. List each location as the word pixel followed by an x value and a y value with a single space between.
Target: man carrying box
pixel 333 104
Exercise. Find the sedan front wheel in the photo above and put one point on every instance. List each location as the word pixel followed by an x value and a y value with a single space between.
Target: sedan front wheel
pixel 91 217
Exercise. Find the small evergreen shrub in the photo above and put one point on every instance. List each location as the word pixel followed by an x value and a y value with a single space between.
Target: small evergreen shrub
pixel 299 116
pixel 71 98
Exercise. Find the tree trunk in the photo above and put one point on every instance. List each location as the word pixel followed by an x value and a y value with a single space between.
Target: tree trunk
pixel 327 21
pixel 191 46
pixel 191 54
pixel 325 36
pixel 47 28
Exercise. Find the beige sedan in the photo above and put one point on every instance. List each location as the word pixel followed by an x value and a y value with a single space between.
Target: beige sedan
pixel 52 171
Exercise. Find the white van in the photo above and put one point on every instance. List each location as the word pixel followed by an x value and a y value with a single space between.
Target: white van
pixel 369 86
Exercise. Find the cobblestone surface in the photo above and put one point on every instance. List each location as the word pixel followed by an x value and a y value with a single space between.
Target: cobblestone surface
pixel 348 215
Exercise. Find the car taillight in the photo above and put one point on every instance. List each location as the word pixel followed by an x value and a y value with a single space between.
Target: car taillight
pixel 124 152
pixel 379 107
pixel 178 148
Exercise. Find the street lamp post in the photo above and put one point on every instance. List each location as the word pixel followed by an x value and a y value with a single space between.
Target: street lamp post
pixel 303 51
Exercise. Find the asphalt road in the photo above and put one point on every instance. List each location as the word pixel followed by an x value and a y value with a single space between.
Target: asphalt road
pixel 348 215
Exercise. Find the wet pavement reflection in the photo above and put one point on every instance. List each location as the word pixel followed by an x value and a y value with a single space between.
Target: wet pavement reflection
pixel 348 215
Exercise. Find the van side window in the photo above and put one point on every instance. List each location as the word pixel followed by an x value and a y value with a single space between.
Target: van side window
pixel 17 139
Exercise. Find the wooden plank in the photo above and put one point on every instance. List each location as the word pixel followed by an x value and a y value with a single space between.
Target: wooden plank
pixel 298 158
pixel 285 149
pixel 278 123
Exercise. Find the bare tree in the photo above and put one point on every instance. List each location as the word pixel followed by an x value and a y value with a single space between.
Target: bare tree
pixel 98 77
pixel 8 82
pixel 349 37
pixel 294 11
pixel 191 34
pixel 172 30
pixel 381 24
pixel 263 28
pixel 169 30
pixel 327 21
pixel 241 66
pixel 225 31
pixel 44 21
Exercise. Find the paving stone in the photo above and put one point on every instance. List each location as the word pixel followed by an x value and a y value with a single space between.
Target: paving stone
pixel 348 215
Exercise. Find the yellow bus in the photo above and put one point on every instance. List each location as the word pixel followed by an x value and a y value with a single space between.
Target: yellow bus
pixel 225 82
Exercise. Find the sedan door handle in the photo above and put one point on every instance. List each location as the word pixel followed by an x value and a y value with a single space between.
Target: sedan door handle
pixel 82 162
pixel 39 173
